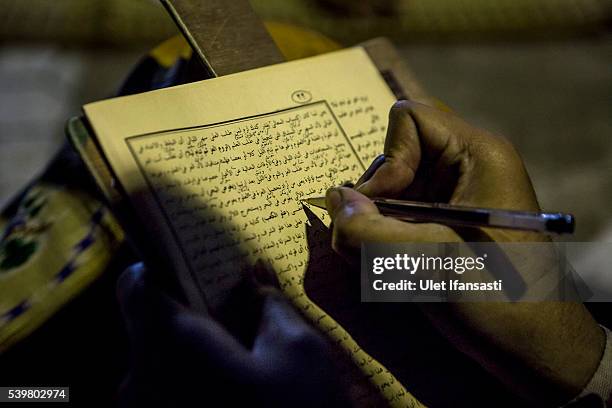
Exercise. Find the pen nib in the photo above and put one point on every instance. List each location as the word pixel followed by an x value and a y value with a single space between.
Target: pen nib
pixel 316 202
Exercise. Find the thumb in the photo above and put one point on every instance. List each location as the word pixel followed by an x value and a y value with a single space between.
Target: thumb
pixel 356 220
pixel 344 201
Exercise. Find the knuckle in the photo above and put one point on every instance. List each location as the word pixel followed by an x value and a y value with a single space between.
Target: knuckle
pixel 401 107
pixel 499 152
pixel 507 153
pixel 504 144
pixel 305 340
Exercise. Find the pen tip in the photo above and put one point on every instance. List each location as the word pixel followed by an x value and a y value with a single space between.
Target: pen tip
pixel 318 202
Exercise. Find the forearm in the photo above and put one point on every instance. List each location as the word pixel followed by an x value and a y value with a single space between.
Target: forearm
pixel 546 351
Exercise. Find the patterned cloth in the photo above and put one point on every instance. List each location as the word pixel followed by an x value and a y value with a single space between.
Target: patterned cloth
pixel 56 242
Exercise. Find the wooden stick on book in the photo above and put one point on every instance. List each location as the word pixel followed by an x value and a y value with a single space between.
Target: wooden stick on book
pixel 226 36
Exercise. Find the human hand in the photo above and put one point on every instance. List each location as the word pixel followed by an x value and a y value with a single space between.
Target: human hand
pixel 546 351
pixel 184 359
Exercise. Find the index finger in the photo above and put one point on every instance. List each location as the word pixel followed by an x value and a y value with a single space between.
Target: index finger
pixel 415 132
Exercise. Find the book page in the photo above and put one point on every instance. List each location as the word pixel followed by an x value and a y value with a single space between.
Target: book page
pixel 219 168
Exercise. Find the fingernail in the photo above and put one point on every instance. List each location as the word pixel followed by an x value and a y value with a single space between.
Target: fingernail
pixel 130 279
pixel 372 169
pixel 375 165
pixel 137 270
pixel 333 199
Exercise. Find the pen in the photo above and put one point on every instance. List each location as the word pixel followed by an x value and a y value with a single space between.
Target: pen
pixel 414 211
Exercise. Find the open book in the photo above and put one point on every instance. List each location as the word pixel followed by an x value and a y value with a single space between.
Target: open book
pixel 216 170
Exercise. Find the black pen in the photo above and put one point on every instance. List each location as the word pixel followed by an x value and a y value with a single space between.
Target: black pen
pixel 414 211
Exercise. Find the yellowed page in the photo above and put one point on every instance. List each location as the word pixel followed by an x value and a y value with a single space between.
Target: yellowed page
pixel 219 167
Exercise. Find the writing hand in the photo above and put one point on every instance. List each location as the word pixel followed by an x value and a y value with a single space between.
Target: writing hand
pixel 546 351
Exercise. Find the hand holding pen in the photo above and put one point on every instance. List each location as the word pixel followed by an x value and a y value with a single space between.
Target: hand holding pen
pixel 456 215
pixel 436 157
